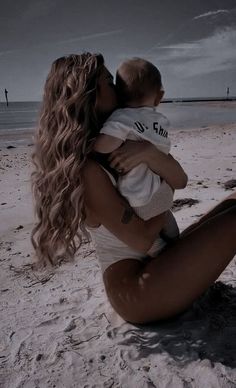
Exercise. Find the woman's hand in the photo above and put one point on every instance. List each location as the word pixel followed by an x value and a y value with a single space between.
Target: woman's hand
pixel 129 155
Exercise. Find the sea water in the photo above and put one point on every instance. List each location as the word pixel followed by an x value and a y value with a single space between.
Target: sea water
pixel 19 115
pixel 182 115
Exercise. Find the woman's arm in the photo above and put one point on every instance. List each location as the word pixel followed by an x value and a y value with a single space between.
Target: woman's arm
pixel 132 153
pixel 111 210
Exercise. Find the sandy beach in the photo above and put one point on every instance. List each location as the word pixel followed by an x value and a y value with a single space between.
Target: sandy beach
pixel 57 328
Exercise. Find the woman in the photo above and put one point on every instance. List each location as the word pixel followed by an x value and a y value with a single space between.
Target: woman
pixel 72 190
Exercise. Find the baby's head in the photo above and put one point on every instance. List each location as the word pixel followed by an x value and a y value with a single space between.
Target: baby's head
pixel 138 83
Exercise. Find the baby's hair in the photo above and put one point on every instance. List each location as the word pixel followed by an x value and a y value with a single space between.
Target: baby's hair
pixel 137 78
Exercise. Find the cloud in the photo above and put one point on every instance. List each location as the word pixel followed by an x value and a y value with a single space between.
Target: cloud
pixel 91 36
pixel 211 13
pixel 69 40
pixel 214 53
pixel 5 52
pixel 181 46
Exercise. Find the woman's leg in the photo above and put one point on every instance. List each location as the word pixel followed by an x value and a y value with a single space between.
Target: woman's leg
pixel 225 204
pixel 170 283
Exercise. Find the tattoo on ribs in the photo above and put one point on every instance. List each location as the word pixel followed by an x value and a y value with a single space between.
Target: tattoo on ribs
pixel 127 215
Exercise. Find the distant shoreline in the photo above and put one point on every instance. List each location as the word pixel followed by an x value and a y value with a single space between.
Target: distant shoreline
pixel 19 118
pixel 218 99
pixel 165 100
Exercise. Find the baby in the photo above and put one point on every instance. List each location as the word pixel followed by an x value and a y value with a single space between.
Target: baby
pixel 139 86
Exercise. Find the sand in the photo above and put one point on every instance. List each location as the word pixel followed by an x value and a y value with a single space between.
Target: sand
pixel 57 328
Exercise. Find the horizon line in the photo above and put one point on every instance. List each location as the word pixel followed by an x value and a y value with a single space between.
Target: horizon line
pixel 167 99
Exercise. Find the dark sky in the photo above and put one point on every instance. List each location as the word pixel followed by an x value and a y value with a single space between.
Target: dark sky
pixel 191 41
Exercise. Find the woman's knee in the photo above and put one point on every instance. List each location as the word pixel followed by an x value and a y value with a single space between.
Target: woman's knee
pixel 120 281
pixel 231 196
pixel 123 303
pixel 232 208
pixel 138 302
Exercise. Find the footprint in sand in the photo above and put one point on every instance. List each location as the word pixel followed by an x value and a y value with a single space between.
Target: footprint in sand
pixel 230 184
pixel 179 203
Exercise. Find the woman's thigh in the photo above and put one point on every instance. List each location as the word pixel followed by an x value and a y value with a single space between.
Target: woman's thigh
pixel 168 284
pixel 118 279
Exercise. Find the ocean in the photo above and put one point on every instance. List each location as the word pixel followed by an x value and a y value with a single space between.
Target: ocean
pixel 182 115
pixel 18 115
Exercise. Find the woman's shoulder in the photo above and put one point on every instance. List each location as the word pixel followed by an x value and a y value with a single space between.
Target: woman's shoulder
pixel 94 171
pixel 97 181
pixel 90 167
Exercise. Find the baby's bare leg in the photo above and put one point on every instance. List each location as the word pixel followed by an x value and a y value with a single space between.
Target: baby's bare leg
pixel 170 230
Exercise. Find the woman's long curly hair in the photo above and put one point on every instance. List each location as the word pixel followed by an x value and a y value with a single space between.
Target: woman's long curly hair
pixel 68 124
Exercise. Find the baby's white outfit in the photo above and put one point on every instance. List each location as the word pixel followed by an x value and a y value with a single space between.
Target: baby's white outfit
pixel 143 188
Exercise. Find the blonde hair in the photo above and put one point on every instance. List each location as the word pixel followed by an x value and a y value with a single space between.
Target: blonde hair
pixel 68 124
pixel 136 79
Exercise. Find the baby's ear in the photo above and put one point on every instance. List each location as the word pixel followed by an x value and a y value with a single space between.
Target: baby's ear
pixel 161 93
pixel 159 96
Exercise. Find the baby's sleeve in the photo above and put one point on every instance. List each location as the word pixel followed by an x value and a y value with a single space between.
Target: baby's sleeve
pixel 116 128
